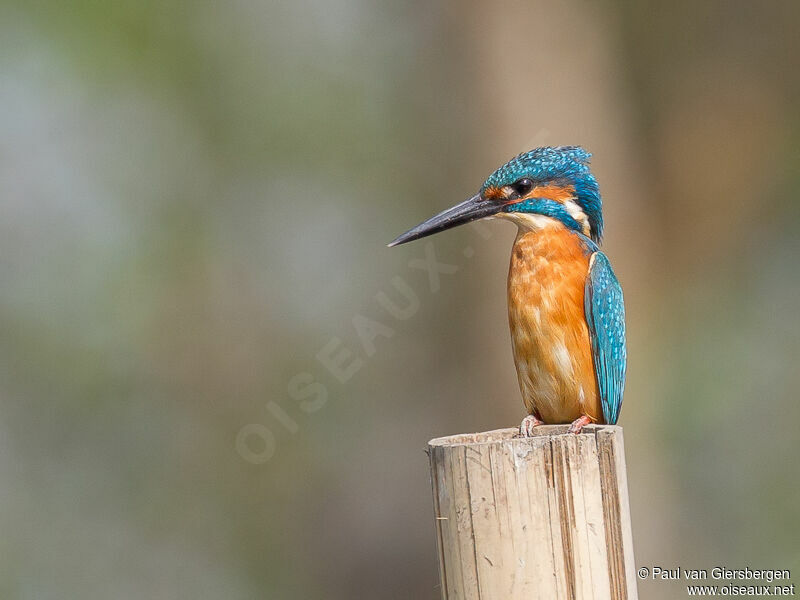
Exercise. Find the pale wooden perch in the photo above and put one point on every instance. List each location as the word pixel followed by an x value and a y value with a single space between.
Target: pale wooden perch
pixel 543 517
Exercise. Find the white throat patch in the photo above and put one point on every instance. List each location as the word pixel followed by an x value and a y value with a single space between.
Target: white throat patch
pixel 528 221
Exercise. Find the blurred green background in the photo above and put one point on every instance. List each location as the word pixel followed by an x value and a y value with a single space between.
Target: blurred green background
pixel 195 199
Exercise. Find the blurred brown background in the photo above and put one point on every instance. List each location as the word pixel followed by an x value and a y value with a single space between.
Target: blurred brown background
pixel 195 199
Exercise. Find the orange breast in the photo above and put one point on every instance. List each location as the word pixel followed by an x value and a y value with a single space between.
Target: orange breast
pixel 550 337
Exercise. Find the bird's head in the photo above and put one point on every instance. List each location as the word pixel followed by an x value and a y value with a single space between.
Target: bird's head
pixel 546 186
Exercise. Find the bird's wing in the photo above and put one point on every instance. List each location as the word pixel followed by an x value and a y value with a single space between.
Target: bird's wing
pixel 605 315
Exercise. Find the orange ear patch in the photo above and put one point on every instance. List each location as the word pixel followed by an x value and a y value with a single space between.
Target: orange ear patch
pixel 559 193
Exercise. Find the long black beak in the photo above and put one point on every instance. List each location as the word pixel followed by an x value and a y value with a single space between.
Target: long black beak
pixel 469 210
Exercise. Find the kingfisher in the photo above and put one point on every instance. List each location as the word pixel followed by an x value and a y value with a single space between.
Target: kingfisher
pixel 565 306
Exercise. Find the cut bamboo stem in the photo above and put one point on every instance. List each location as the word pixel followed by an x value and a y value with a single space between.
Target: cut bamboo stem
pixel 542 517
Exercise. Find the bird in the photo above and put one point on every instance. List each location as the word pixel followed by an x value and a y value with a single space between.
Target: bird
pixel 566 310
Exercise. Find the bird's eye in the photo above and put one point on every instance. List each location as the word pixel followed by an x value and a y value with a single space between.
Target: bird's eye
pixel 522 186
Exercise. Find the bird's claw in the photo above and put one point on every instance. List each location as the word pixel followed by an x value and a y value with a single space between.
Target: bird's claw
pixel 579 423
pixel 527 426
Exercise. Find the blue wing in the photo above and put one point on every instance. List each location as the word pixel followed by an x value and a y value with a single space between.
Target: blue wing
pixel 605 315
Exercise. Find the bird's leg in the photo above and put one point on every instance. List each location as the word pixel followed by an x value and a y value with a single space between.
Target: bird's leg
pixel 527 425
pixel 579 423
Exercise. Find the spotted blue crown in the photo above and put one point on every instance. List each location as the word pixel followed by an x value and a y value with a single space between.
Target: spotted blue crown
pixel 564 165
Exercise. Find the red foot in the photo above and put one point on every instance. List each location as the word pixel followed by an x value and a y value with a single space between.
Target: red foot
pixel 579 423
pixel 528 424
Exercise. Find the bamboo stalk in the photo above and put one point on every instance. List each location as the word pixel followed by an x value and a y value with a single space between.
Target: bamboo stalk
pixel 541 517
